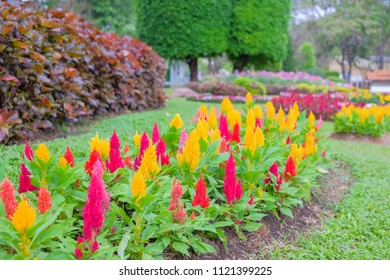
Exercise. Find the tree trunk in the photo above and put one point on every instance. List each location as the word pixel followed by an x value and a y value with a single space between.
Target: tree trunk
pixel 349 71
pixel 193 64
pixel 381 54
pixel 240 64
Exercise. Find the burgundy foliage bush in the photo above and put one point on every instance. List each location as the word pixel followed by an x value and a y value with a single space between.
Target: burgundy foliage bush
pixel 55 67
pixel 218 88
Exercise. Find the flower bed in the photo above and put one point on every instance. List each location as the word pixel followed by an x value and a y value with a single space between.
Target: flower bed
pixel 373 121
pixel 165 192
pixel 233 98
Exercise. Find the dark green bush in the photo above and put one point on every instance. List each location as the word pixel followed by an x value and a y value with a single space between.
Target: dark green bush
pixel 251 85
pixel 55 67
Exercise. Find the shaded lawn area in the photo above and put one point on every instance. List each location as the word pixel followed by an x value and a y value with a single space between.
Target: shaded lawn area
pixel 361 229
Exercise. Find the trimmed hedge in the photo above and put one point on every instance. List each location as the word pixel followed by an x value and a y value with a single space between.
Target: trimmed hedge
pixel 251 85
pixel 56 67
pixel 218 88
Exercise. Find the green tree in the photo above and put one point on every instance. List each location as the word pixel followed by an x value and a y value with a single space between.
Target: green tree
pixel 307 57
pixel 289 61
pixel 259 33
pixel 185 30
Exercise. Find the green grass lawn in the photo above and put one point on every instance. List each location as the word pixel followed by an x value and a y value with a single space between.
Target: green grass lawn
pixel 361 229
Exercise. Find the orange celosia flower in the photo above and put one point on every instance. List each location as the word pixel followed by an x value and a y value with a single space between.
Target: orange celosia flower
pixel 44 200
pixel 176 122
pixel 42 152
pixel 24 216
pixel 7 194
pixel 138 186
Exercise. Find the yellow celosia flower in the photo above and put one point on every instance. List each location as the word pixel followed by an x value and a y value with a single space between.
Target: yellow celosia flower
pixel 101 146
pixel 137 139
pixel 215 134
pixel 176 122
pixel 270 110
pixel 24 216
pixel 212 119
pixel 249 140
pixel 295 109
pixel 203 111
pixel 258 112
pixel 180 159
pixel 259 137
pixel 281 119
pixel 191 151
pixel 310 144
pixel 248 97
pixel 202 129
pixel 250 121
pixel 138 186
pixel 296 153
pixel 226 106
pixel 311 119
pixel 291 120
pixel 149 162
pixel 63 161
pixel 42 152
pixel 234 117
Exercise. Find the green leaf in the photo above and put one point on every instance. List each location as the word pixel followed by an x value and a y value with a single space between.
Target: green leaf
pixel 123 245
pixel 287 211
pixel 251 226
pixel 321 170
pixel 181 248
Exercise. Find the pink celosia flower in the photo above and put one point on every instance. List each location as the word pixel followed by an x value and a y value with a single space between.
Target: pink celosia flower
pixel 155 134
pixel 44 200
pixel 236 133
pixel 192 216
pixel 250 202
pixel 69 157
pixel 7 194
pixel 224 128
pixel 180 215
pixel 182 140
pixel 231 186
pixel 319 124
pixel 176 194
pixel 93 158
pixel 224 147
pixel 28 152
pixel 162 157
pixel 200 197
pixel 115 154
pixel 25 184
pixel 144 145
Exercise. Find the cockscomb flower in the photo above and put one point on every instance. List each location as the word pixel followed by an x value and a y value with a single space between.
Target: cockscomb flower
pixel 248 98
pixel 180 215
pixel 323 154
pixel 231 187
pixel 176 122
pixel 44 200
pixel 145 142
pixel 200 197
pixel 296 153
pixel 249 140
pixel 115 161
pixel 162 156
pixel 295 109
pixel 101 146
pixel 311 119
pixel 28 152
pixel 7 194
pixel 191 151
pixel 234 117
pixel 202 113
pixel 42 152
pixel 250 121
pixel 259 137
pixel 138 186
pixel 274 170
pixel 270 110
pixel 69 157
pixel 319 124
pixel 176 194
pixel 24 216
pixel 310 144
pixel 291 169
pixel 250 202
pixel 288 140
pixel 25 184
pixel 182 140
pixel 226 106
pixel 224 146
pixel 93 158
pixel 236 133
pixel 137 139
pixel 149 163
pixel 224 128
pixel 258 112
pixel 212 119
pixel 155 134
pixel 202 130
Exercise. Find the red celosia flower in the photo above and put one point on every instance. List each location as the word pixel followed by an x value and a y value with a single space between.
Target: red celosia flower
pixel 93 158
pixel 200 197
pixel 44 200
pixel 274 170
pixel 126 149
pixel 165 159
pixel 155 134
pixel 224 128
pixel 7 194
pixel 291 169
pixel 236 133
pixel 182 140
pixel 176 194
pixel 28 152
pixel 250 202
pixel 324 154
pixel 80 248
pixel 258 123
pixel 97 204
pixel 288 141
pixel 69 157
pixel 231 187
pixel 25 184
pixel 115 154
pixel 128 161
pixel 224 147
pixel 192 216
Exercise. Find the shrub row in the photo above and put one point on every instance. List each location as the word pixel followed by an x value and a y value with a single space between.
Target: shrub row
pixel 218 88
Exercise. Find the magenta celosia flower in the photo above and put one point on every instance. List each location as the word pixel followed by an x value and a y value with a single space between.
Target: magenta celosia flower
pixel 93 158
pixel 224 128
pixel 162 157
pixel 236 133
pixel 288 141
pixel 165 160
pixel 97 204
pixel 7 194
pixel 258 123
pixel 28 152
pixel 275 171
pixel 155 134
pixel 115 154
pixel 250 202
pixel 182 140
pixel 225 146
pixel 144 145
pixel 25 184
pixel 80 248
pixel 231 186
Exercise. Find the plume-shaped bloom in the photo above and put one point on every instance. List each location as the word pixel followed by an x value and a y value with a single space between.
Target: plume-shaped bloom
pixel 323 154
pixel 69 157
pixel 101 146
pixel 192 216
pixel 137 139
pixel 259 137
pixel 233 118
pixel 310 144
pixel 270 110
pixel 138 186
pixel 162 156
pixel 191 151
pixel 144 145
pixel 177 209
pixel 115 161
pixel 274 170
pixel 292 118
pixel 250 202
pixel 24 216
pixel 182 140
pixel 25 184
pixel 311 119
pixel 28 152
pixel 44 200
pixel 42 152
pixel 226 106
pixel 248 98
pixel 176 122
pixel 250 121
pixel 288 140
pixel 224 128
pixel 231 186
pixel 155 134
pixel 291 169
pixel 236 134
pixel 258 112
pixel 202 130
pixel 149 163
pixel 180 215
pixel 212 119
pixel 93 158
pixel 296 153
pixel 7 194
pixel 224 146
pixel 200 197
pixel 319 124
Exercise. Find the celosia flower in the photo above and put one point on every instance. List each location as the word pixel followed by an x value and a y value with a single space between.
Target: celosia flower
pixel 44 200
pixel 200 197
pixel 78 252
pixel 191 151
pixel 180 215
pixel 259 137
pixel 295 109
pixel 192 216
pixel 310 144
pixel 288 140
pixel 182 140
pixel 162 157
pixel 270 110
pixel 234 117
pixel 296 153
pixel 291 120
pixel 28 152
pixel 69 157
pixel 101 146
pixel 202 130
pixel 236 133
pixel 96 206
pixel 24 216
pixel 258 112
pixel 25 184
pixel 63 162
pixel 274 170
pixel 93 158
pixel 128 161
pixel 144 145
pixel 250 121
pixel 176 194
pixel 155 134
pixel 137 139
pixel 311 119
pixel 224 128
pixel 319 124
pixel 176 122
pixel 323 154
pixel 138 186
pixel 42 152
pixel 250 202
pixel 7 194
pixel 202 113
pixel 149 163
pixel 115 161
pixel 248 98
pixel 249 140
pixel 224 146
pixel 212 119
pixel 215 135
pixel 291 169
pixel 226 106
pixel 231 187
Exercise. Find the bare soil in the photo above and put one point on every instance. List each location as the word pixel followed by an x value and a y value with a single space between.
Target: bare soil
pixel 384 140
pixel 276 232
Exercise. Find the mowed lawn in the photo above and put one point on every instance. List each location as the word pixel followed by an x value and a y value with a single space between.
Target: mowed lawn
pixel 361 229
